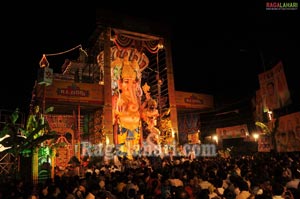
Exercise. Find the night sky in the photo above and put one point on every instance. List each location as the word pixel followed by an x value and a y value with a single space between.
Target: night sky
pixel 220 48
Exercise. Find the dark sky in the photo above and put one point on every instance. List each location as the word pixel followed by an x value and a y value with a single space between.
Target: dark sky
pixel 218 48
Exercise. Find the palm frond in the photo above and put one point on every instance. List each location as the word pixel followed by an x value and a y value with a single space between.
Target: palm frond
pixel 265 129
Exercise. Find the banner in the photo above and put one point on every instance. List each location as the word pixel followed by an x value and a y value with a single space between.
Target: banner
pixel 193 138
pixel 188 124
pixel 287 136
pixel 259 106
pixel 238 131
pixel 264 143
pixel 274 89
pixel 281 84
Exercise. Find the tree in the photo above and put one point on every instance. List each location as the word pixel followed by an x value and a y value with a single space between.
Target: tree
pixel 270 131
pixel 21 142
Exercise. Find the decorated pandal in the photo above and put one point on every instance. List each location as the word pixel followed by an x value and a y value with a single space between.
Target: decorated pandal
pixel 135 112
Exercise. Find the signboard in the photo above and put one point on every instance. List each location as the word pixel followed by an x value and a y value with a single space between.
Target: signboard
pixel 193 100
pixel 67 91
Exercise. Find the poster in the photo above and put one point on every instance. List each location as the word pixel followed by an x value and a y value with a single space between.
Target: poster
pixel 287 136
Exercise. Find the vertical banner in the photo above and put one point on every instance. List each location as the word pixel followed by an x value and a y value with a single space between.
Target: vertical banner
pixel 287 136
pixel 281 84
pixel 259 106
pixel 269 91
pixel 188 125
pixel 274 89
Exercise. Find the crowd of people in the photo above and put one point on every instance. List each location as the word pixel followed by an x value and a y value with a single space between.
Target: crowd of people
pixel 256 176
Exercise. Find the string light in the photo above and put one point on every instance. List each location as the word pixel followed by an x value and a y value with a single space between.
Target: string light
pixel 44 62
pixel 60 53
